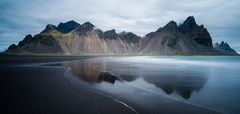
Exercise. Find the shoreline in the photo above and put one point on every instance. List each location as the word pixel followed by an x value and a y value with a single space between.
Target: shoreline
pixel 23 59
pixel 26 75
pixel 132 54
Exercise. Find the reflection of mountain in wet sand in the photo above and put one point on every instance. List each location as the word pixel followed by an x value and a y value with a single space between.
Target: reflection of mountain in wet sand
pixel 91 72
pixel 181 84
pixel 173 82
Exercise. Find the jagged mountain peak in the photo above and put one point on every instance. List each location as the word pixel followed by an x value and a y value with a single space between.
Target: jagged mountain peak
pixel 188 25
pixel 49 28
pixel 69 22
pixel 112 31
pixel 13 47
pixel 110 34
pixel 198 33
pixel 88 26
pixel 129 37
pixel 124 32
pixel 190 20
pixel 223 43
pixel 84 28
pixel 25 41
pixel 67 26
pixel 224 47
pixel 171 26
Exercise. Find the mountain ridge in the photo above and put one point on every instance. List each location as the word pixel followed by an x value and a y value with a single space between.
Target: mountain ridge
pixel 71 38
pixel 225 48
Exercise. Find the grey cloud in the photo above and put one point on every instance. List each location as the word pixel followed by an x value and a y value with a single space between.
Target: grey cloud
pixel 19 18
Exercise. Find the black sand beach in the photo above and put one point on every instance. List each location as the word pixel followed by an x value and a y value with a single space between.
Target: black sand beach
pixel 45 89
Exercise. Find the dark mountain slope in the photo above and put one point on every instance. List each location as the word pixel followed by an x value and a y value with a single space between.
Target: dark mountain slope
pixel 225 48
pixel 73 38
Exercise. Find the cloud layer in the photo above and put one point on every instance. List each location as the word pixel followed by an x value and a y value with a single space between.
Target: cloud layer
pixel 19 18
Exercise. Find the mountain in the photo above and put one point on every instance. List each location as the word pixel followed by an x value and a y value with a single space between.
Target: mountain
pixel 40 43
pixel 173 39
pixel 73 38
pixel 225 48
pixel 67 27
pixel 196 32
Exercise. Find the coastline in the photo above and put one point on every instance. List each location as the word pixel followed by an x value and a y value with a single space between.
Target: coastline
pixel 48 81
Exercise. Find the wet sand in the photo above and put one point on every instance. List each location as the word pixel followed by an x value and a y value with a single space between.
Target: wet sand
pixel 45 89
pixel 15 59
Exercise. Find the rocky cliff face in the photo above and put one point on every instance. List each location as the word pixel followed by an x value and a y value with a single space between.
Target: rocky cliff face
pixel 173 39
pixel 40 43
pixel 74 38
pixel 225 48
pixel 67 27
pixel 196 32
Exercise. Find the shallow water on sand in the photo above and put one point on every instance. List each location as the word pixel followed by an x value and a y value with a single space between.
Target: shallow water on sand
pixel 120 84
pixel 210 82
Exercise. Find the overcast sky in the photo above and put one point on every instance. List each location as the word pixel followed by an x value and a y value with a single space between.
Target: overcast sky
pixel 21 17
